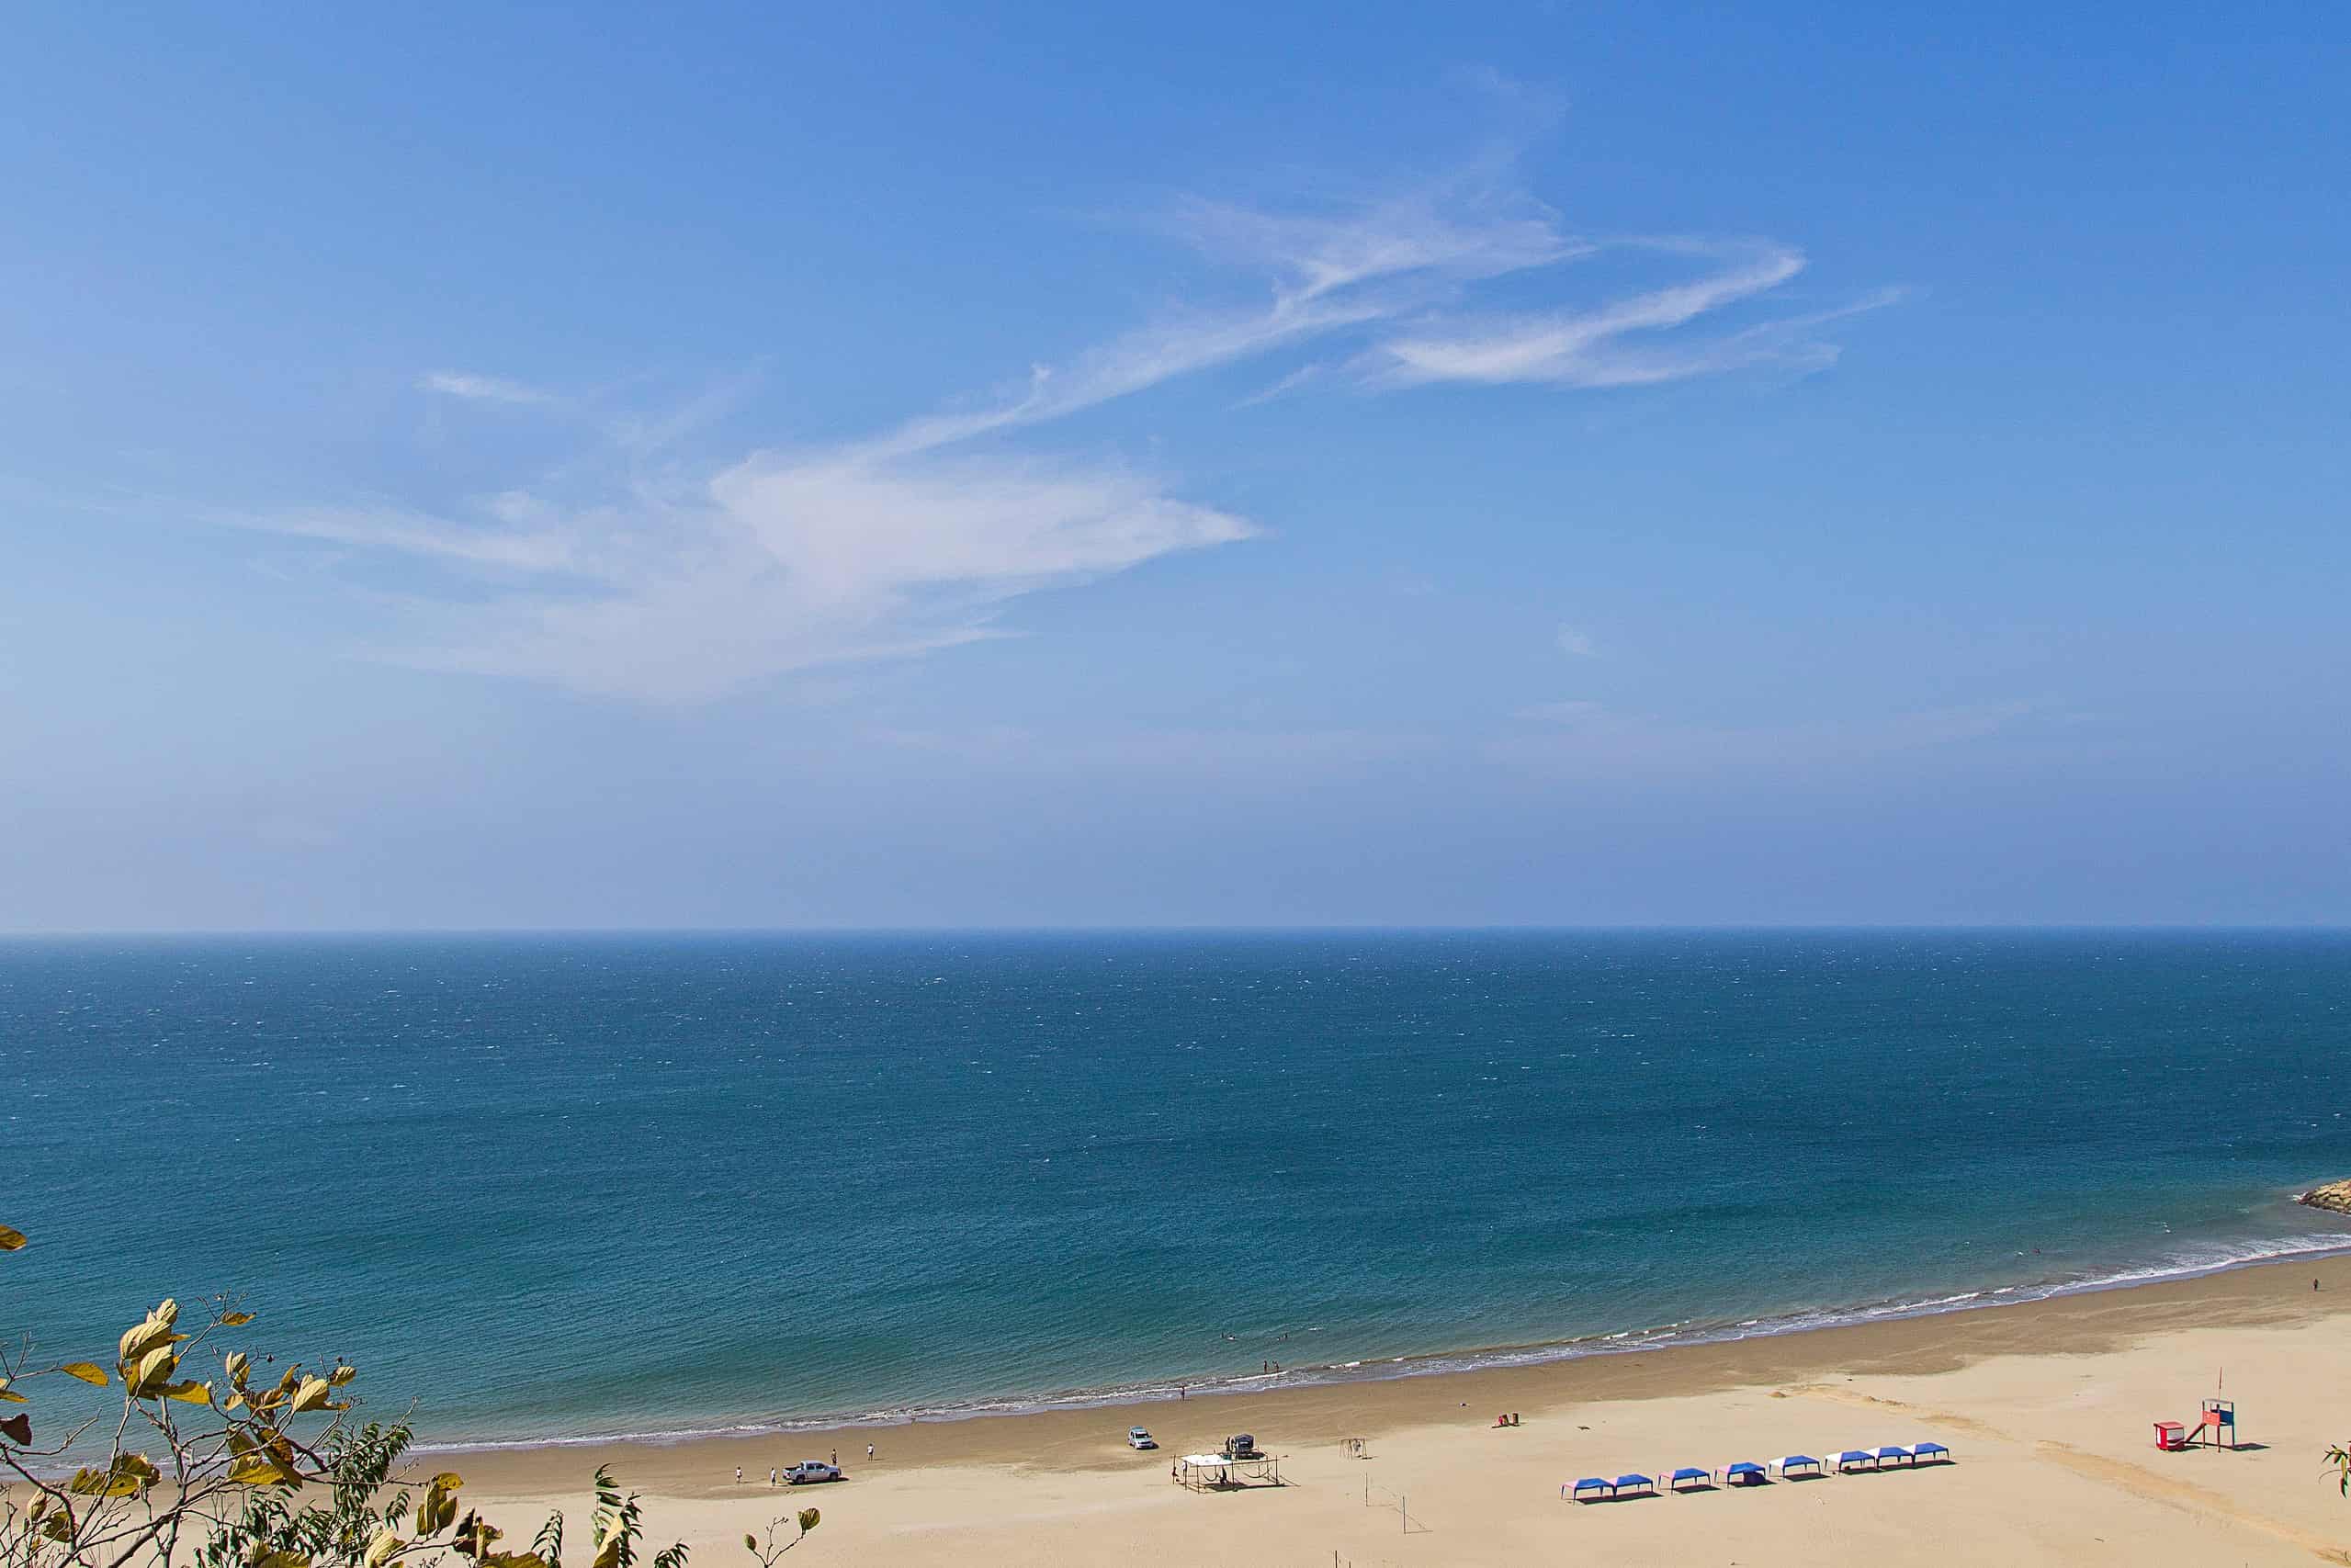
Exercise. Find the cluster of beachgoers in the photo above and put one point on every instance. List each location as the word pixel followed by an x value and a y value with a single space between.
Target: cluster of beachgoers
pixel 1754 1472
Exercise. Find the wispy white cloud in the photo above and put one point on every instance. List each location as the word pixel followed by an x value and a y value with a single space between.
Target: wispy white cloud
pixel 781 564
pixel 1575 643
pixel 503 544
pixel 684 586
pixel 1457 230
pixel 480 389
pixel 1615 344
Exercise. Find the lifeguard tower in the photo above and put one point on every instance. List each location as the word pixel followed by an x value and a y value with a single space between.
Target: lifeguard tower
pixel 2216 1423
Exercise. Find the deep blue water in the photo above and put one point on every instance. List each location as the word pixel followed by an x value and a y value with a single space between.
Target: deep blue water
pixel 583 1185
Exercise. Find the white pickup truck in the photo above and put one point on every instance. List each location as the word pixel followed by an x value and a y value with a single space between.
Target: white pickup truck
pixel 810 1470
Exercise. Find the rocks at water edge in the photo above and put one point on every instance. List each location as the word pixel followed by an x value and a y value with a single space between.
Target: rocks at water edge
pixel 2334 1195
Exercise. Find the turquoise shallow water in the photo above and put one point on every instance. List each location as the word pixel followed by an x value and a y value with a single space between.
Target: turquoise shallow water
pixel 560 1187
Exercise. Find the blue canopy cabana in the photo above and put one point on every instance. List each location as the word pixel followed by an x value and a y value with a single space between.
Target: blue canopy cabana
pixel 1747 1473
pixel 1851 1458
pixel 1930 1451
pixel 1799 1462
pixel 1623 1483
pixel 1893 1451
pixel 1591 1484
pixel 1689 1472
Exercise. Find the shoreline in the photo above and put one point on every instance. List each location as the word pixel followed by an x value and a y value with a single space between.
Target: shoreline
pixel 2085 1320
pixel 1144 1394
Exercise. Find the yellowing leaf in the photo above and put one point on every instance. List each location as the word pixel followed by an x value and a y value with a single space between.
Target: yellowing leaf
pixel 311 1395
pixel 190 1393
pixel 152 1374
pixel 276 1396
pixel 89 1371
pixel 440 1505
pixel 10 1239
pixel 236 1366
pixel 808 1517
pixel 342 1375
pixel 258 1469
pixel 153 1332
pixel 383 1549
pixel 127 1477
pixel 10 1394
pixel 236 1319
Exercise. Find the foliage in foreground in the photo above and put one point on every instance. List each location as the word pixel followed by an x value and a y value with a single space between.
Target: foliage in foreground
pixel 233 1472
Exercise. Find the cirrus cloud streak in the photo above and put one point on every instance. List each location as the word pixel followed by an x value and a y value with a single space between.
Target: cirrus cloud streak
pixel 689 584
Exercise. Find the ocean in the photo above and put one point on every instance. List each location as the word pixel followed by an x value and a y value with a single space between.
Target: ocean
pixel 559 1188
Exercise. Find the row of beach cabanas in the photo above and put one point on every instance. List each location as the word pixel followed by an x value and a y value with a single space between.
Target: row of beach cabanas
pixel 1752 1472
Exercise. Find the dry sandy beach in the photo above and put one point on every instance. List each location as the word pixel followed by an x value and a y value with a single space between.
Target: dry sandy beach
pixel 2048 1406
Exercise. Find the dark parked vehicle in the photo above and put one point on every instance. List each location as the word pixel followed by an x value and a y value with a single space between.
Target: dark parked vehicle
pixel 1241 1446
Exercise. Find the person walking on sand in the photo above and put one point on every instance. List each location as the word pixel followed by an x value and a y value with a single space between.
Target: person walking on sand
pixel 869 1454
pixel 835 1460
pixel 739 1475
pixel 770 1475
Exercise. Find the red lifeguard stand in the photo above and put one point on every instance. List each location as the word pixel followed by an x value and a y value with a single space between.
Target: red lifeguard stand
pixel 2216 1423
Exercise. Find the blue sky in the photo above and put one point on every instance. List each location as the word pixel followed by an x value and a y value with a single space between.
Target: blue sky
pixel 1568 464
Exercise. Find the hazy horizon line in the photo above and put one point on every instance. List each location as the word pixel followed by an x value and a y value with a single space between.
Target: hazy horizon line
pixel 1182 929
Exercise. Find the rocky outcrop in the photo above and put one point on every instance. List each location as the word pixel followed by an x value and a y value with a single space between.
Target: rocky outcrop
pixel 2334 1195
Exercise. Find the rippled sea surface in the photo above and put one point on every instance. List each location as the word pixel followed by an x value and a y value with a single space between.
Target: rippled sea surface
pixel 569 1186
